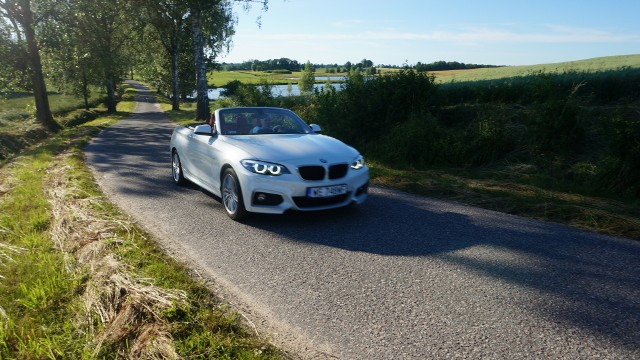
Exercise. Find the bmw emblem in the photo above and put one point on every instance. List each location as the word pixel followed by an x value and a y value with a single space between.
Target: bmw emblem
pixel 324 161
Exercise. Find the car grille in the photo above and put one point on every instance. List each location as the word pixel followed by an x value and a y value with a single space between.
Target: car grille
pixel 307 202
pixel 316 172
pixel 312 172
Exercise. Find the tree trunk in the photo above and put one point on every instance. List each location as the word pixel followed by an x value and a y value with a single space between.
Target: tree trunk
pixel 202 108
pixel 111 94
pixel 43 112
pixel 175 101
pixel 85 90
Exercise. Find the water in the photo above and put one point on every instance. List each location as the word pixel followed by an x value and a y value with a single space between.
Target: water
pixel 276 90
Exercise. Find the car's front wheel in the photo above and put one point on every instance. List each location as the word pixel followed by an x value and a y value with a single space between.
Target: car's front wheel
pixel 232 195
pixel 176 169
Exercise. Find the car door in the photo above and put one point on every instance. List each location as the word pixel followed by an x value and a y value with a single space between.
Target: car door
pixel 205 161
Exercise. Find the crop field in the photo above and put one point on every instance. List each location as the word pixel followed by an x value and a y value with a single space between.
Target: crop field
pixel 221 78
pixel 589 65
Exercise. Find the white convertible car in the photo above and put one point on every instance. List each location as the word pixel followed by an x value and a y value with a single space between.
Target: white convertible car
pixel 268 160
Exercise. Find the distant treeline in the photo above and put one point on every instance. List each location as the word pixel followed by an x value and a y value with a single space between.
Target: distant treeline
pixel 449 65
pixel 265 65
pixel 285 64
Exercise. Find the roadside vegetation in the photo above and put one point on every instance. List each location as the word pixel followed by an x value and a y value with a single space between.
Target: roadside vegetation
pixel 558 145
pixel 79 280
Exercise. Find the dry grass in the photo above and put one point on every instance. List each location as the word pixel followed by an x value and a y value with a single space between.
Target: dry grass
pixel 127 309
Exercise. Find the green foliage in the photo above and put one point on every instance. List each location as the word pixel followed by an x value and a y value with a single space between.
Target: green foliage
pixel 307 80
pixel 551 121
pixel 575 127
pixel 250 95
pixel 365 109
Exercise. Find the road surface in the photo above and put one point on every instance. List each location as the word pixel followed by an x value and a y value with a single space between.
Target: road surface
pixel 401 277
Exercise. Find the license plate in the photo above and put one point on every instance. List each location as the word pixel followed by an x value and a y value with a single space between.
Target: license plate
pixel 326 191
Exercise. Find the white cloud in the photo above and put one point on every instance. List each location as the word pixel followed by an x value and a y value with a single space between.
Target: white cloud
pixel 556 34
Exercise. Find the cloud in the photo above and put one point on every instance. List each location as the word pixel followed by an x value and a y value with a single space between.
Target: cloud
pixel 548 34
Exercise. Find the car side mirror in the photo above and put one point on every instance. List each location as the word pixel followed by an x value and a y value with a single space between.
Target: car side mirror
pixel 316 128
pixel 205 129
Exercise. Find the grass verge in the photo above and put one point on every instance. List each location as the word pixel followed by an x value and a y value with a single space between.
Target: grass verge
pixel 79 280
pixel 489 191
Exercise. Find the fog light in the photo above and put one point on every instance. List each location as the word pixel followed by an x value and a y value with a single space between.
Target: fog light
pixel 261 198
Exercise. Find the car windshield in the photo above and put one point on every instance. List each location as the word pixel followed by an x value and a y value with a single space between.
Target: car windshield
pixel 259 121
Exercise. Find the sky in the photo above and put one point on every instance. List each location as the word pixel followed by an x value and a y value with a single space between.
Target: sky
pixel 404 32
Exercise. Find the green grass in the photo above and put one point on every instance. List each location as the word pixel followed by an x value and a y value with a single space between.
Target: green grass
pixel 559 189
pixel 51 209
pixel 38 292
pixel 221 78
pixel 58 103
pixel 588 65
pixel 502 190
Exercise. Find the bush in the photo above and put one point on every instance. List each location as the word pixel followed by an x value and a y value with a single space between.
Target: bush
pixel 555 123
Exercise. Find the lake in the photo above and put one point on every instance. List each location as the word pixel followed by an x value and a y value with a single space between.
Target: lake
pixel 277 90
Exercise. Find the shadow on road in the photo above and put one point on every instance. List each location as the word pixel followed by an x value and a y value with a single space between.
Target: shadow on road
pixel 584 279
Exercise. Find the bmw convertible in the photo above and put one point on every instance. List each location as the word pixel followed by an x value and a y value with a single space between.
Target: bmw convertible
pixel 268 160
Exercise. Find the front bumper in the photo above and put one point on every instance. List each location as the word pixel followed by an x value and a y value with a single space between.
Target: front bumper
pixel 277 194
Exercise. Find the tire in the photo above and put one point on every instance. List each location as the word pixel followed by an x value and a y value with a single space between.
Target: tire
pixel 232 196
pixel 176 169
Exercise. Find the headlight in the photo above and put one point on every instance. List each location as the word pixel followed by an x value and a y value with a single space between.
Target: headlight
pixel 264 168
pixel 357 163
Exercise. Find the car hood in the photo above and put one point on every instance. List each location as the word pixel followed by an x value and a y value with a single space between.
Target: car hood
pixel 294 148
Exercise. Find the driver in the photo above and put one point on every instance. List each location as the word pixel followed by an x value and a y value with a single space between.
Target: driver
pixel 263 125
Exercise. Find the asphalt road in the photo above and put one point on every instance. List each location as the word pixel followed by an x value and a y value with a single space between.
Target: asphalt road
pixel 401 277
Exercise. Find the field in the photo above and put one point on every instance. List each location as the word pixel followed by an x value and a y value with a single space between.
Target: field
pixel 589 65
pixel 221 78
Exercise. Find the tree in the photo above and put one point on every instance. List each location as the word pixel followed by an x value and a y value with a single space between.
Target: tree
pixel 106 28
pixel 24 21
pixel 169 19
pixel 308 79
pixel 365 64
pixel 66 56
pixel 14 72
pixel 212 24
